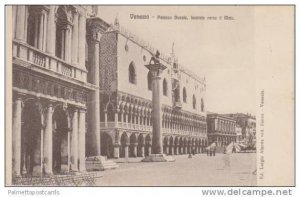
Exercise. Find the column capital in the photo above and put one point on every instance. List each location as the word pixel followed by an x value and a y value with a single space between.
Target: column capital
pixel 18 96
pixel 116 144
pixel 96 28
pixel 81 110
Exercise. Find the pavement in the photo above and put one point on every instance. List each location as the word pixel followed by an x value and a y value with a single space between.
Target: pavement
pixel 200 170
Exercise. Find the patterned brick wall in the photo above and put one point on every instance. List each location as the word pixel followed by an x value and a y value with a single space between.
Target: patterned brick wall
pixel 108 62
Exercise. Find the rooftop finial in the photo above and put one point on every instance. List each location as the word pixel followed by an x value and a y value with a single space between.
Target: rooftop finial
pixel 95 10
pixel 173 50
pixel 116 23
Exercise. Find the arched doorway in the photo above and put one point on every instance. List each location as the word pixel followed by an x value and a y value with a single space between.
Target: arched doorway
pixel 185 145
pixel 141 146
pixel 171 146
pixel 124 144
pixel 61 140
pixel 31 139
pixel 165 145
pixel 176 146
pixel 133 145
pixel 106 145
pixel 147 145
pixel 180 146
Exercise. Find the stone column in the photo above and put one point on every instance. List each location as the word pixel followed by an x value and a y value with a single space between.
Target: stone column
pixel 45 21
pixel 75 40
pixel 16 137
pixel 81 41
pixel 68 43
pixel 116 151
pixel 21 22
pixel 150 149
pixel 74 141
pixel 126 151
pixel 93 77
pixel 156 69
pixel 134 149
pixel 48 140
pixel 81 140
pixel 142 150
pixel 116 117
pixel 41 34
pixel 51 29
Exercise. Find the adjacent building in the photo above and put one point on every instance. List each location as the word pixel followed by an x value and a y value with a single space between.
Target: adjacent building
pixel 221 129
pixel 53 87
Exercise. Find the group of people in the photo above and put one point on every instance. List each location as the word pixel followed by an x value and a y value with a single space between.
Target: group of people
pixel 211 151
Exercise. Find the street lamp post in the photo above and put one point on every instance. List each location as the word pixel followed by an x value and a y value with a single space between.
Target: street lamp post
pixel 156 69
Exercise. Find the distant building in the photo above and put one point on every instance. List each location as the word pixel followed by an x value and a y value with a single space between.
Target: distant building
pixel 248 124
pixel 221 129
pixel 238 131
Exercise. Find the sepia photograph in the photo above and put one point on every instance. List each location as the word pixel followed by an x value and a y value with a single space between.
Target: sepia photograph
pixel 156 95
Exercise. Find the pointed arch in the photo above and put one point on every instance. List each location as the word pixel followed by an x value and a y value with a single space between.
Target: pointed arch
pixel 194 101
pixel 184 94
pixel 165 87
pixel 132 73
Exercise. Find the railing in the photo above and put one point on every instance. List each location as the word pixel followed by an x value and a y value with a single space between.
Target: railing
pixel 126 125
pixel 41 59
pixel 147 128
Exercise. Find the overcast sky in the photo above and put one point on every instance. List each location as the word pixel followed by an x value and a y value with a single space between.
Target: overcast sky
pixel 220 50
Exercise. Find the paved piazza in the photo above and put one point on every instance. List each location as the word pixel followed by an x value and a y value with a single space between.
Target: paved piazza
pixel 201 170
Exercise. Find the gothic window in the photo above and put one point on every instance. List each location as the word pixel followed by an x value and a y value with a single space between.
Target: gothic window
pixel 36 27
pixel 184 95
pixel 149 77
pixel 202 105
pixel 110 113
pixel 132 73
pixel 194 102
pixel 165 87
pixel 61 33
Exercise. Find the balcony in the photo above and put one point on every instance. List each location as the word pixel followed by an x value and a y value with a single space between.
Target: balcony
pixel 125 125
pixel 43 61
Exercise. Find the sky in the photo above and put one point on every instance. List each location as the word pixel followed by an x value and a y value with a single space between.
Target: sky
pixel 220 50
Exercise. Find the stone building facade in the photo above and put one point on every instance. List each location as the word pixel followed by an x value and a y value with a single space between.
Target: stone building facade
pixel 74 76
pixel 52 89
pixel 221 129
pixel 126 100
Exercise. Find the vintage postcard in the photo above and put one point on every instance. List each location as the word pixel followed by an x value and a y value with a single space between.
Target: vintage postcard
pixel 167 95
